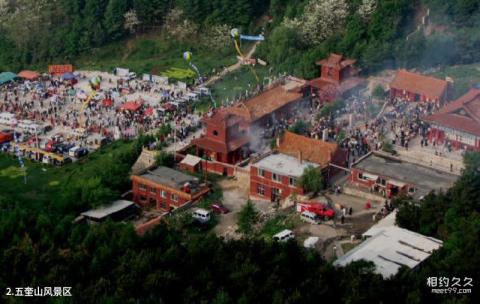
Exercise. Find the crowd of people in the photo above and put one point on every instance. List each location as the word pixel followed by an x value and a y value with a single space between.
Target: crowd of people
pixel 61 105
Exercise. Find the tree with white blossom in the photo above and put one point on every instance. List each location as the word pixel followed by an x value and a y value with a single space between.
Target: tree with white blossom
pixel 320 20
pixel 131 21
pixel 367 8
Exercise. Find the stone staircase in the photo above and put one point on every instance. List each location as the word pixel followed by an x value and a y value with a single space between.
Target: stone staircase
pixel 145 161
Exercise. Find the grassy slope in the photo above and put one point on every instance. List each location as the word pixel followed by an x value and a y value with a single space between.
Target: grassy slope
pixel 153 53
pixel 44 182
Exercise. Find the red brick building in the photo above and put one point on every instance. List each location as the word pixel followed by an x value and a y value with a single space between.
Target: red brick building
pixel 275 176
pixel 337 75
pixel 416 87
pixel 166 189
pixel 226 138
pixel 277 101
pixel 458 122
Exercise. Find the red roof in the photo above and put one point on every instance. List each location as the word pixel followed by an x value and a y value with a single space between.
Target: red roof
pixel 131 106
pixel 265 103
pixel 223 117
pixel 312 150
pixel 107 102
pixel 222 147
pixel 419 84
pixel 29 75
pixel 336 61
pixel 149 111
pixel 462 114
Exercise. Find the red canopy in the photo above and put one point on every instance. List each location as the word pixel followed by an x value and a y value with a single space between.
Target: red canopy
pixel 149 111
pixel 131 106
pixel 169 107
pixel 107 103
pixel 29 75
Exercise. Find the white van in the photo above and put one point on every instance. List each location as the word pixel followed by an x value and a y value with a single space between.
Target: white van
pixel 310 217
pixel 30 127
pixel 72 151
pixel 284 236
pixel 7 118
pixel 201 215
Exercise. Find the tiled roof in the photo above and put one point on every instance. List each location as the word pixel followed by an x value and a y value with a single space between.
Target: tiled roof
pixel 222 147
pixel 462 114
pixel 313 150
pixel 419 84
pixel 265 103
pixel 223 117
pixel 336 61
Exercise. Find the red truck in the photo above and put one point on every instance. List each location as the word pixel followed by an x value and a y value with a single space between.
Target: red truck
pixel 320 209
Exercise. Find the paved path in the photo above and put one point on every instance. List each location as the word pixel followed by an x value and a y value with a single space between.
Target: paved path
pixel 179 145
pixel 233 67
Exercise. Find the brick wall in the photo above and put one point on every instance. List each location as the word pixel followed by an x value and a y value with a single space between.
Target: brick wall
pixel 268 185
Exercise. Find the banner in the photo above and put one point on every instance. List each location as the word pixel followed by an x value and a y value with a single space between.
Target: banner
pixel 252 38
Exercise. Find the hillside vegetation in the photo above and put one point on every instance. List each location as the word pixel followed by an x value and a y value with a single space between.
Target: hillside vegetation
pixel 98 33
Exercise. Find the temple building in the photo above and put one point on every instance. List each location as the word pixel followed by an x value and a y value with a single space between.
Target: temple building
pixel 416 87
pixel 227 131
pixel 338 75
pixel 458 123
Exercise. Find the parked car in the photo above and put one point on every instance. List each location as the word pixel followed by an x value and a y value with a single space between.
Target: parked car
pixel 219 209
pixel 284 236
pixel 77 152
pixel 201 215
pixel 63 148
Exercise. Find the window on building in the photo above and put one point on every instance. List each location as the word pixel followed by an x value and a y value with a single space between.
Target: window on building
pixel 164 194
pixel 142 187
pixel 153 190
pixel 143 198
pixel 261 172
pixel 261 190
pixel 383 181
pixel 163 205
pixel 360 176
pixel 292 181
pixel 411 190
pixel 174 197
pixel 275 177
pixel 215 132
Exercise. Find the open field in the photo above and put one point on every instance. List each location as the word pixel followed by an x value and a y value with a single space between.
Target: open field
pixel 154 55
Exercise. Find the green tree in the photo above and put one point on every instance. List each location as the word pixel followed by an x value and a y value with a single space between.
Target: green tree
pixel 114 19
pixel 378 92
pixel 164 159
pixel 311 180
pixel 247 218
pixel 300 127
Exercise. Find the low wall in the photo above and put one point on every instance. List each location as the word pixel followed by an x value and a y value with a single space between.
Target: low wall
pixel 352 190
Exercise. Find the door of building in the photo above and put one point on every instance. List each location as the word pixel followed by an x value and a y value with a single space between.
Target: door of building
pixel 276 196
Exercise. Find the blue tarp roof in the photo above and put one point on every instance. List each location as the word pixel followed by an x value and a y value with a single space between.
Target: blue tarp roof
pixel 6 77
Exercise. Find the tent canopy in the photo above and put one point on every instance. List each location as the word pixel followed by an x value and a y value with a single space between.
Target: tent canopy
pixel 149 111
pixel 29 75
pixel 6 77
pixel 107 102
pixel 68 76
pixel 131 106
